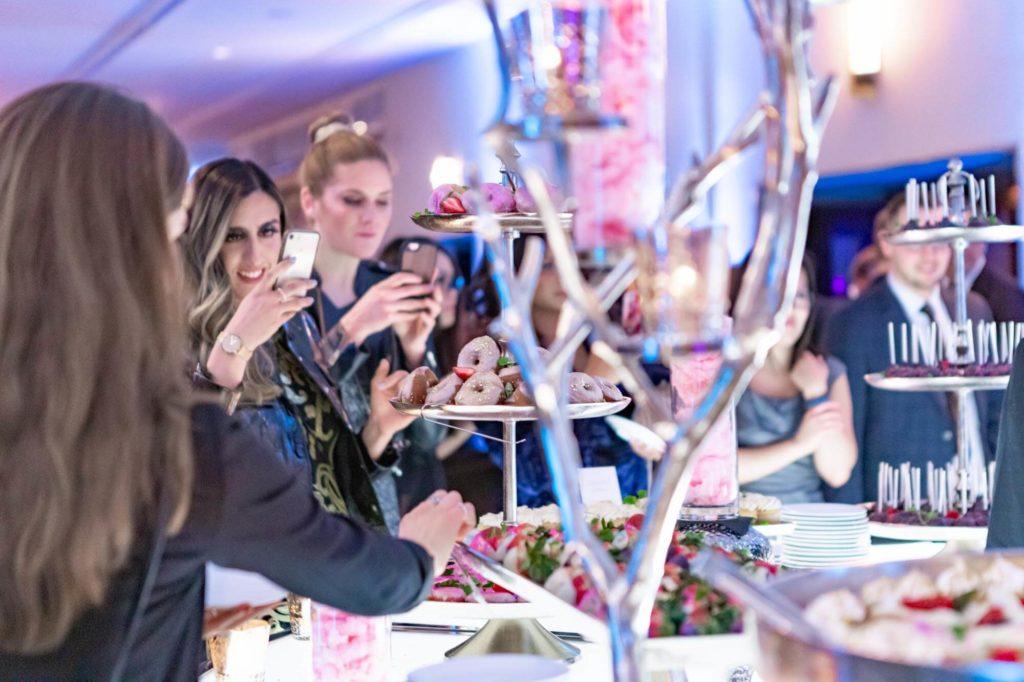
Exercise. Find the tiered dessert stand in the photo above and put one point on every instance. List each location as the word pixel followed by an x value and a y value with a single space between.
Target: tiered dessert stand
pixel 960 222
pixel 512 628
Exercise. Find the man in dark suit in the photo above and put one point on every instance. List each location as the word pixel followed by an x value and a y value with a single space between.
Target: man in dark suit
pixel 899 427
pixel 1001 293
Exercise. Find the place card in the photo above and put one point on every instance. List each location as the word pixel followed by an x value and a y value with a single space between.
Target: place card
pixel 599 484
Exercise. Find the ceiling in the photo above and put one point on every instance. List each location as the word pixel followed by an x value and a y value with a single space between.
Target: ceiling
pixel 216 68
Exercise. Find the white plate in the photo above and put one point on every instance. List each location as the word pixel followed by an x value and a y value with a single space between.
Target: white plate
pixel 505 412
pixel 774 530
pixel 898 531
pixel 824 510
pixel 631 432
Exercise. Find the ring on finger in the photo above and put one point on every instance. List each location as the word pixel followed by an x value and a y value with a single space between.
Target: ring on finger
pixel 436 499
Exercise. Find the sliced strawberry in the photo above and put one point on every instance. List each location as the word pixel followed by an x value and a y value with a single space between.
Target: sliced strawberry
pixel 929 603
pixel 463 372
pixel 452 205
pixel 1004 654
pixel 994 616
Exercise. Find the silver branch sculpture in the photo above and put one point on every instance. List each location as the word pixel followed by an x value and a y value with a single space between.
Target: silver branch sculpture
pixel 789 118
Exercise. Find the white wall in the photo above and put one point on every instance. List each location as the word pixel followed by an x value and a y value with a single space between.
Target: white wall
pixel 436 107
pixel 950 83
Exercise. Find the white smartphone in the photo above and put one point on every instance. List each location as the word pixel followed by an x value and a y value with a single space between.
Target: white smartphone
pixel 301 245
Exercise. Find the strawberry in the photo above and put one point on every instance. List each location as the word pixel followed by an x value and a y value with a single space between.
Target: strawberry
pixel 463 372
pixel 953 514
pixel 1004 654
pixel 994 616
pixel 452 205
pixel 929 603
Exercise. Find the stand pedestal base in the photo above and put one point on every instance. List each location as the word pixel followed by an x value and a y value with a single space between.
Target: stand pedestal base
pixel 515 636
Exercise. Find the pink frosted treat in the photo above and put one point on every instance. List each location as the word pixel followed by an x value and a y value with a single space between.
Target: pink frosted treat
pixel 349 647
pixel 499 198
pixel 448 199
pixel 714 482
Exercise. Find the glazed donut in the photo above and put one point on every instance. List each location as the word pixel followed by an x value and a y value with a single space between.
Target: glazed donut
pixel 443 391
pixel 583 389
pixel 510 375
pixel 483 388
pixel 609 390
pixel 414 387
pixel 481 354
pixel 520 397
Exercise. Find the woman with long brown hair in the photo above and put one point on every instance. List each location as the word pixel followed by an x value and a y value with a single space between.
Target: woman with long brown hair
pixel 116 490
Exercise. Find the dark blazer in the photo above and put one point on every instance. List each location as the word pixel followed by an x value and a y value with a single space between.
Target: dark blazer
pixel 245 500
pixel 1001 293
pixel 1005 529
pixel 895 427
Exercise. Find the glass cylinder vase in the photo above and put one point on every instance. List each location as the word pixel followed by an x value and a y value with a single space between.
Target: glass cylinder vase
pixel 349 647
pixel 713 492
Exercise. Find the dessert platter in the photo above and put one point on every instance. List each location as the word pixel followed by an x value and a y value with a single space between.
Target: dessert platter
pixel 486 384
pixel 957 207
pixel 906 512
pixel 766 512
pixel 947 618
pixel 931 361
pixel 452 209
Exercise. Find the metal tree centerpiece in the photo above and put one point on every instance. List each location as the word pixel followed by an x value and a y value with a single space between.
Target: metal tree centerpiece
pixel 555 49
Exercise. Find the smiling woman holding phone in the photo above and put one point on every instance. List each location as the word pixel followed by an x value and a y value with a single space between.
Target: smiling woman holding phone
pixel 252 339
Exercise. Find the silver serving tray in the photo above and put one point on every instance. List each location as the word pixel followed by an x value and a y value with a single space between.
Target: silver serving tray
pixel 525 223
pixel 785 657
pixel 925 384
pixel 526 589
pixel 505 413
pixel 991 234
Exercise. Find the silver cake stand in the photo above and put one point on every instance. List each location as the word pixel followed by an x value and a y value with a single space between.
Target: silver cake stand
pixel 510 635
pixel 523 223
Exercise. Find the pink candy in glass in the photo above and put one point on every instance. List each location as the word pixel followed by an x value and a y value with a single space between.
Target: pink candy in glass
pixel 349 647
pixel 619 177
pixel 714 481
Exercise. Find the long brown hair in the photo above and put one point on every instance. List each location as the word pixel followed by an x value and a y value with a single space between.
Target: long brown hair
pixel 333 142
pixel 94 414
pixel 219 187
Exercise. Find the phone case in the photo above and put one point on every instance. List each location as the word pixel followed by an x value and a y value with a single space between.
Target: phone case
pixel 300 244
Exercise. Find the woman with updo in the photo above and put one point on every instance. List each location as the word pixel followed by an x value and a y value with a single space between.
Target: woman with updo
pixel 367 312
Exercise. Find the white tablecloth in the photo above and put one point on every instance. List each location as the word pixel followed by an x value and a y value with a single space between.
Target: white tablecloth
pixel 291 660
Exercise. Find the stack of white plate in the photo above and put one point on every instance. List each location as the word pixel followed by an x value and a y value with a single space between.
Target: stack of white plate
pixel 826 535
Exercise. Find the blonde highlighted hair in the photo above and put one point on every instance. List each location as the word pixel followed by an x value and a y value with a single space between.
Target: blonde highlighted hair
pixel 219 187
pixel 334 142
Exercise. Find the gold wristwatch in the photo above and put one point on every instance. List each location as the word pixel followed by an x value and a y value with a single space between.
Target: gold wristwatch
pixel 232 344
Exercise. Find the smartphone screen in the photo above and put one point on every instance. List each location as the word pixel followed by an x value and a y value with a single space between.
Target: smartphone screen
pixel 420 259
pixel 301 245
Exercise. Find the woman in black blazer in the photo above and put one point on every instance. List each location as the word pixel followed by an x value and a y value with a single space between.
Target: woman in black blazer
pixel 116 490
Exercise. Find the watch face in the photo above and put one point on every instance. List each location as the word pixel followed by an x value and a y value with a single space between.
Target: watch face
pixel 232 343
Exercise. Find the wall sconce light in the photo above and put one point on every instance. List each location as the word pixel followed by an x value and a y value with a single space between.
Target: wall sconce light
pixel 864 33
pixel 447 169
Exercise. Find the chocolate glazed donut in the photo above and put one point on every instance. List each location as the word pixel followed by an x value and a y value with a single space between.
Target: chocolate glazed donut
pixel 483 388
pixel 413 389
pixel 443 392
pixel 480 354
pixel 583 389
